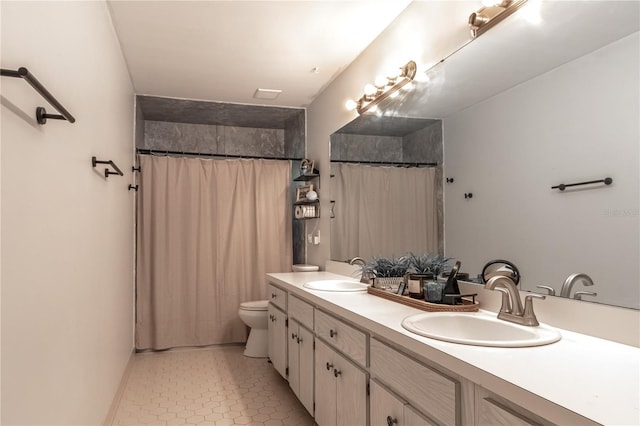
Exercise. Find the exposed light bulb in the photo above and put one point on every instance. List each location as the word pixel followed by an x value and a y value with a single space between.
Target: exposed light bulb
pixel 374 108
pixel 407 86
pixel 381 81
pixel 393 95
pixel 370 89
pixel 351 104
pixel 393 73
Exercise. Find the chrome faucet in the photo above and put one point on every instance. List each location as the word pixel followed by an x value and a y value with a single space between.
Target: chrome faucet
pixel 364 278
pixel 571 280
pixel 511 309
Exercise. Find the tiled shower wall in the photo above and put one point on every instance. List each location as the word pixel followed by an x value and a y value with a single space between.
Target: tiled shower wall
pixel 210 139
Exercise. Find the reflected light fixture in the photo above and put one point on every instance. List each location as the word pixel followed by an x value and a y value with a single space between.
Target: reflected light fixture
pixel 493 12
pixel 383 88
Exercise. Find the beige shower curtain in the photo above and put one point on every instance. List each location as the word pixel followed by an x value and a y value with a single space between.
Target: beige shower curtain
pixel 208 231
pixel 383 211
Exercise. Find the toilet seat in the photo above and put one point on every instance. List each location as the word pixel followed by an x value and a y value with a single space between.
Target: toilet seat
pixel 255 305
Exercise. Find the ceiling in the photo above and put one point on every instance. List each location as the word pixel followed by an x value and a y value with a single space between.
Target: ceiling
pixel 225 50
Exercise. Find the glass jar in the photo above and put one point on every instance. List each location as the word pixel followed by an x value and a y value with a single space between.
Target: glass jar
pixel 434 291
pixel 416 284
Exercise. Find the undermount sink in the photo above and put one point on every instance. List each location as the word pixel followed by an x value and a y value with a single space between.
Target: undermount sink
pixel 479 329
pixel 336 285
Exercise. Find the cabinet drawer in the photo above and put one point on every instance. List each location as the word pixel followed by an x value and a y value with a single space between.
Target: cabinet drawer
pixel 424 388
pixel 342 336
pixel 277 296
pixel 301 311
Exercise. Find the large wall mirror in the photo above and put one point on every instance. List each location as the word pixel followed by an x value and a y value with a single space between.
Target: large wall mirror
pixel 524 107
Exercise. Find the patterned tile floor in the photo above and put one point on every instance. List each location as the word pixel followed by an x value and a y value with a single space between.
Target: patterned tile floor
pixel 213 386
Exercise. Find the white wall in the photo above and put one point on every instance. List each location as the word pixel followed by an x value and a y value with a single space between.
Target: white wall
pixel 67 257
pixel 520 144
pixel 409 37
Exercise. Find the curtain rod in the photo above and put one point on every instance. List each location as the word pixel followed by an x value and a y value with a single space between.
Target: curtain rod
pixel 203 154
pixel 388 163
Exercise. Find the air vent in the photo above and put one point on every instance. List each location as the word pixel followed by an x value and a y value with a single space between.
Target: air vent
pixel 267 94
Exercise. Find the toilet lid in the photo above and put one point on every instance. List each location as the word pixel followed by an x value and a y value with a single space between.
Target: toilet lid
pixel 256 305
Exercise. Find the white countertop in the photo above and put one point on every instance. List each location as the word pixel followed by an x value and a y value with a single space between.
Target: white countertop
pixel 595 378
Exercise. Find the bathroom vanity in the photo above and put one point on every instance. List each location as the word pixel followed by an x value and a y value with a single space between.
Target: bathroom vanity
pixel 350 362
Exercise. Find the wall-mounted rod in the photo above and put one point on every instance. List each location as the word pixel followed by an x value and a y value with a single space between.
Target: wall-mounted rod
pixel 41 113
pixel 107 172
pixel 563 186
pixel 204 154
pixel 389 163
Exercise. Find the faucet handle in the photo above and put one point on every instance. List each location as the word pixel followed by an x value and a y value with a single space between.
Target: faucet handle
pixel 506 300
pixel 578 294
pixel 551 290
pixel 529 317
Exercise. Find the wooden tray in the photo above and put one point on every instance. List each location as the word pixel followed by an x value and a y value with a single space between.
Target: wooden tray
pixel 467 305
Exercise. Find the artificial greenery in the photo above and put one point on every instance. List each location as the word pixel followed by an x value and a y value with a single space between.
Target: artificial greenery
pixel 427 263
pixel 380 267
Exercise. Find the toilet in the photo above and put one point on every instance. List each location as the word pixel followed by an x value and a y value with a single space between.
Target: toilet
pixel 254 315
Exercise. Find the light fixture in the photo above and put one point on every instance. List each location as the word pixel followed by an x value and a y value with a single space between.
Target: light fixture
pixel 383 88
pixel 492 13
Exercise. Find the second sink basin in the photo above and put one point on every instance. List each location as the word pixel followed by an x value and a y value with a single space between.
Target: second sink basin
pixel 336 285
pixel 479 329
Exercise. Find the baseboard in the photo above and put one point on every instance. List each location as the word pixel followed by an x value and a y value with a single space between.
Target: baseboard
pixel 115 403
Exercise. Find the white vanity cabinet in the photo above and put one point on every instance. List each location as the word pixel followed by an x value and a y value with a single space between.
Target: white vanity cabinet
pixel 428 390
pixel 341 389
pixel 277 339
pixel 301 352
pixel 387 409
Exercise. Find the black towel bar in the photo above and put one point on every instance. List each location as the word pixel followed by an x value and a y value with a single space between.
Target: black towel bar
pixel 41 113
pixel 107 172
pixel 563 186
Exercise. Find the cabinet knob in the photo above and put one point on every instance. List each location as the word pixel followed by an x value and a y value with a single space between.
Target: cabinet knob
pixel 336 372
pixel 293 336
pixel 329 366
pixel 273 295
pixel 333 333
pixel 298 339
pixel 391 421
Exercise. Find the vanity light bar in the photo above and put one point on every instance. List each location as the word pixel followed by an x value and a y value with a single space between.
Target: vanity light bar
pixel 383 88
pixel 489 16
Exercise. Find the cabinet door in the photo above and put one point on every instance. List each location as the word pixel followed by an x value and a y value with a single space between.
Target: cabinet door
pixel 325 413
pixel 305 373
pixel 277 337
pixel 294 357
pixel 386 409
pixel 351 393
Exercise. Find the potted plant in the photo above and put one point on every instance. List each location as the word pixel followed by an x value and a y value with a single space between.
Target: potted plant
pixel 387 273
pixel 425 269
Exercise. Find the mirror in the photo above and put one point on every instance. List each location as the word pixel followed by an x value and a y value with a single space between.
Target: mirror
pixel 526 107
